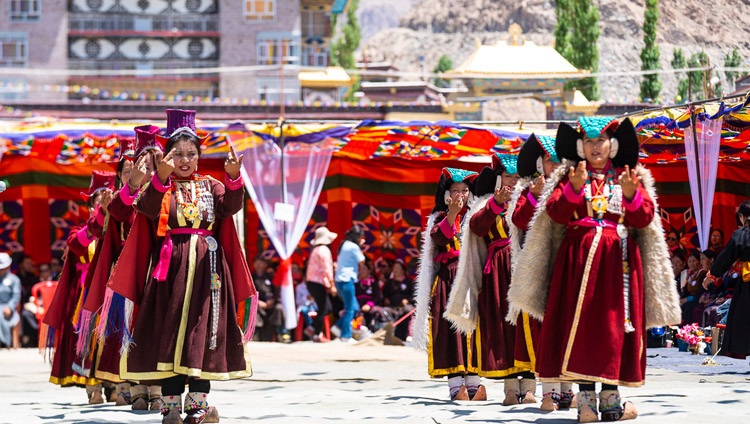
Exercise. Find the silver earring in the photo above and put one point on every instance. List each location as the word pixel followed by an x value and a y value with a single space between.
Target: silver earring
pixel 579 149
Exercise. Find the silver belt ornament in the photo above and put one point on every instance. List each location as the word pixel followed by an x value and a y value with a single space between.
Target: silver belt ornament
pixel 622 232
pixel 213 246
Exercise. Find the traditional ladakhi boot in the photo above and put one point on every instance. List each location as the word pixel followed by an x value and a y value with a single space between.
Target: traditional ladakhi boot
pixel 139 397
pixel 94 393
pixel 567 397
pixel 550 397
pixel 197 409
pixel 612 409
pixel 587 407
pixel 527 389
pixel 110 392
pixel 171 409
pixel 154 398
pixel 122 391
pixel 512 391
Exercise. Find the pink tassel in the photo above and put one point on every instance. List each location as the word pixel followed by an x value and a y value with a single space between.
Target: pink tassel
pixel 250 330
pixel 84 332
pixel 101 328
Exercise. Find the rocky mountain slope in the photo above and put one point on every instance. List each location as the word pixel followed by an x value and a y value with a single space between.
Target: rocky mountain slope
pixel 435 27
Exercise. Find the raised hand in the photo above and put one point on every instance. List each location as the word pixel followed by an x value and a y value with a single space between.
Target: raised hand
pixel 138 174
pixel 502 195
pixel 454 207
pixel 233 163
pixel 127 167
pixel 536 187
pixel 629 181
pixel 105 198
pixel 165 167
pixel 577 176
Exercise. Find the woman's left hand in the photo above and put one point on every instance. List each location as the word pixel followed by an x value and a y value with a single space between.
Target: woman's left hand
pixel 629 181
pixel 233 163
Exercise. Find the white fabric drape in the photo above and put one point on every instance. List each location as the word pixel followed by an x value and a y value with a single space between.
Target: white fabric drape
pixel 305 168
pixel 703 156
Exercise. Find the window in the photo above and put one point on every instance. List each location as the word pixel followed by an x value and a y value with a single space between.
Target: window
pixel 315 23
pixel 269 89
pixel 271 50
pixel 25 10
pixel 315 56
pixel 260 10
pixel 14 48
pixel 14 88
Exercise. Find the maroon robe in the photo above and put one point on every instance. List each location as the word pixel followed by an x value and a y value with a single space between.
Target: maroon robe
pixel 62 311
pixel 527 328
pixel 495 337
pixel 448 351
pixel 583 336
pixel 171 330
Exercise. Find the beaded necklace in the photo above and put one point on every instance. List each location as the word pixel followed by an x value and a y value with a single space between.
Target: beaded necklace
pixel 599 200
pixel 192 209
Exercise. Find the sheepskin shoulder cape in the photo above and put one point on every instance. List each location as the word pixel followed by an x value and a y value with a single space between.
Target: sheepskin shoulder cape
pixel 534 265
pixel 426 272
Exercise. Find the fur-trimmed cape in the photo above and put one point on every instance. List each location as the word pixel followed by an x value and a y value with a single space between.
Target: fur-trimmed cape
pixel 425 279
pixel 534 265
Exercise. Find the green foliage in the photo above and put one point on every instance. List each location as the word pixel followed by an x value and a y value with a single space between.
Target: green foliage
pixel 678 62
pixel 698 80
pixel 650 85
pixel 733 60
pixel 342 49
pixel 444 64
pixel 578 44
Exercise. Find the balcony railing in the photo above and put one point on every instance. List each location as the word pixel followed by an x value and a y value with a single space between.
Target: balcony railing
pixel 143 67
pixel 176 23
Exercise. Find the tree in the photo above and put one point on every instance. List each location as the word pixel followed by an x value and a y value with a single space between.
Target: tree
pixel 678 62
pixel 444 64
pixel 579 44
pixel 698 80
pixel 733 60
pixel 650 85
pixel 342 49
pixel 562 28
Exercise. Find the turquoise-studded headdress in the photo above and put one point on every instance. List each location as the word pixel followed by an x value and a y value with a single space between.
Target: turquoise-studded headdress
pixel 531 156
pixel 505 162
pixel 623 138
pixel 447 177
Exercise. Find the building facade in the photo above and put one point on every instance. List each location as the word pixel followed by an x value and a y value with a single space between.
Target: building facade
pixel 160 49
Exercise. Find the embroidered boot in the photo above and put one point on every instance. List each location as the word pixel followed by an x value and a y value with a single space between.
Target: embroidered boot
pixel 197 409
pixel 612 409
pixel 139 397
pixel 512 391
pixel 567 397
pixel 475 388
pixel 550 397
pixel 527 389
pixel 171 409
pixel 94 393
pixel 587 407
pixel 154 398
pixel 110 392
pixel 461 394
pixel 122 391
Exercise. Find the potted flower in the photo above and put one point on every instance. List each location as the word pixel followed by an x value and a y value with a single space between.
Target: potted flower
pixel 692 335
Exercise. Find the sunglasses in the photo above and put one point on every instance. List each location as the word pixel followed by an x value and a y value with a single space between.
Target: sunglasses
pixel 672 238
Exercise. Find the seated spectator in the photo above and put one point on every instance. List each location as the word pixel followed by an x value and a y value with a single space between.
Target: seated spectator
pixel 716 311
pixel 270 318
pixel 28 276
pixel 692 289
pixel 679 265
pixel 10 297
pixel 370 299
pixel 45 272
pixel 306 307
pixel 716 241
pixel 55 267
pixel 673 242
pixel 709 288
pixel 398 295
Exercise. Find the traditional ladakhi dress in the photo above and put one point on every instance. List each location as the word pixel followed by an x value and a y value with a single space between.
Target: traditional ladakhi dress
pixel 527 328
pixel 102 354
pixel 449 351
pixel 483 313
pixel 183 241
pixel 62 317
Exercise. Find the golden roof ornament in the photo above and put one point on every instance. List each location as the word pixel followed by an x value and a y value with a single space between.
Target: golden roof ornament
pixel 515 35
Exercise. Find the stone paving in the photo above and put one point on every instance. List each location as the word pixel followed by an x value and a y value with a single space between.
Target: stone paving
pixel 371 383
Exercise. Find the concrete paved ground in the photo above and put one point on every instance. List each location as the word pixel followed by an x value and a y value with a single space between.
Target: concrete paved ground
pixel 368 383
